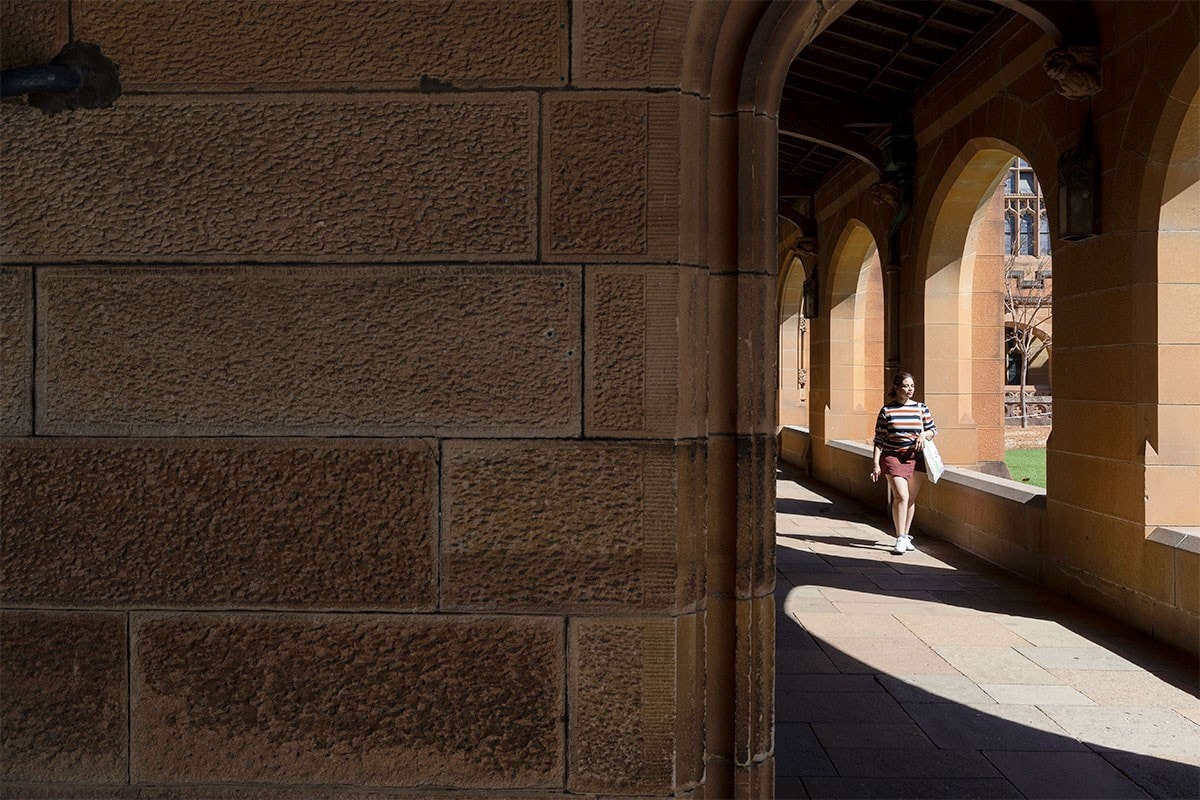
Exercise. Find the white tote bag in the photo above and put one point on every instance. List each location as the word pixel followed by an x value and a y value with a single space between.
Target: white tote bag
pixel 934 466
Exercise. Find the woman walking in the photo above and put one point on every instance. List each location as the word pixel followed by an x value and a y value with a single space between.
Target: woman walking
pixel 901 430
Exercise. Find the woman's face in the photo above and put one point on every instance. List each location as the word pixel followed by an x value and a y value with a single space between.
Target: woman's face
pixel 905 390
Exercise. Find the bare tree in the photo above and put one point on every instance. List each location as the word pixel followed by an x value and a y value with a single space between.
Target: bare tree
pixel 1027 306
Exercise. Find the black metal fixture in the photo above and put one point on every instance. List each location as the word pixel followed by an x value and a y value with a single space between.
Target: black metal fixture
pixel 1079 188
pixel 80 76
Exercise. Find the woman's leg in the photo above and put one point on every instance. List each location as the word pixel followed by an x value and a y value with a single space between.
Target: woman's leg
pixel 899 488
pixel 914 488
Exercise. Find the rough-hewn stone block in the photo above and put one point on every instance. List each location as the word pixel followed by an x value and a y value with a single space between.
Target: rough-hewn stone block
pixel 33 31
pixel 241 523
pixel 628 43
pixel 639 371
pixel 611 165
pixel 63 696
pixel 16 351
pixel 622 696
pixel 559 527
pixel 319 351
pixel 362 700
pixel 274 177
pixel 257 45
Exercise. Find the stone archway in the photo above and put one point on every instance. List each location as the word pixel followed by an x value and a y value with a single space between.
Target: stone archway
pixel 961 260
pixel 1172 189
pixel 855 335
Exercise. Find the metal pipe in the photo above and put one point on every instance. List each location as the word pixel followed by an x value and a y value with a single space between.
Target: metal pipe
pixel 23 80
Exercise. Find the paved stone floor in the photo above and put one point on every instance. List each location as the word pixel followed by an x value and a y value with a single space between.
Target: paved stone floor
pixel 935 674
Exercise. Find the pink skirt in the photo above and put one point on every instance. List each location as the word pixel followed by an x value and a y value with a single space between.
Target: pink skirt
pixel 901 463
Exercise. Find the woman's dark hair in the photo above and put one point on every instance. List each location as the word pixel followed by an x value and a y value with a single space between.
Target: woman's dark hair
pixel 897 379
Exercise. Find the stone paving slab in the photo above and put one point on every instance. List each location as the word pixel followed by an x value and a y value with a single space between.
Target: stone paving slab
pixel 915 582
pixel 803 662
pixel 904 788
pixel 970 630
pixel 1159 777
pixel 1065 776
pixel 886 656
pixel 1153 731
pixel 860 707
pixel 834 628
pixel 1091 657
pixel 933 608
pixel 906 736
pixel 857 762
pixel 798 752
pixel 994 665
pixel 1043 632
pixel 934 689
pixel 1022 695
pixel 827 683
pixel 990 727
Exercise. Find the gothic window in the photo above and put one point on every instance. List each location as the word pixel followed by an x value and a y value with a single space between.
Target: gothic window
pixel 1027 238
pixel 1043 235
pixel 1009 233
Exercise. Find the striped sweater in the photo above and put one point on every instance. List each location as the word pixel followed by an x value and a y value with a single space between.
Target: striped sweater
pixel 900 424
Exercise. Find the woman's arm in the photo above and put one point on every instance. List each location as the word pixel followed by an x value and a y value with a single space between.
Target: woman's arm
pixel 876 451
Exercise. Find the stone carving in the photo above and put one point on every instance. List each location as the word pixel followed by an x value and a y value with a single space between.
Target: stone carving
pixel 805 247
pixel 1076 70
pixel 885 193
pixel 801 378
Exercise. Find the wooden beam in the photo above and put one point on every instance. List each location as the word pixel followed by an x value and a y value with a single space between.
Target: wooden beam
pixel 834 136
pixel 1066 22
pixel 803 222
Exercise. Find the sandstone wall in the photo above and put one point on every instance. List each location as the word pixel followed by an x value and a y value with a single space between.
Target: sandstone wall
pixel 353 403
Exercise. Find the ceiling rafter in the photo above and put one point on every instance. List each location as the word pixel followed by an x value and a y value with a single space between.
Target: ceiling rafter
pixel 845 90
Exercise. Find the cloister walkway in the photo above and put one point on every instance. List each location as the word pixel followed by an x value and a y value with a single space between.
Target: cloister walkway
pixel 937 675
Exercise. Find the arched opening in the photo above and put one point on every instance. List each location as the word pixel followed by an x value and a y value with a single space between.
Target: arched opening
pixel 794 338
pixel 967 244
pixel 855 335
pixel 1173 454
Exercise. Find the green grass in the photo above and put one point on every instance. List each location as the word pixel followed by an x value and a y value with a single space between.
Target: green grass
pixel 1027 466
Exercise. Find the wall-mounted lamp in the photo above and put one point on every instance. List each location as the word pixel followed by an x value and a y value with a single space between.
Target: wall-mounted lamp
pixel 1079 188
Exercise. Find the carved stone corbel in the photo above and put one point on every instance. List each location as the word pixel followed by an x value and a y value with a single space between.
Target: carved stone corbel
pixel 884 193
pixel 1076 70
pixel 805 247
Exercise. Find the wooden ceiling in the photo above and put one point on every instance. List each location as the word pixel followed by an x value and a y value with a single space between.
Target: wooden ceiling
pixel 849 85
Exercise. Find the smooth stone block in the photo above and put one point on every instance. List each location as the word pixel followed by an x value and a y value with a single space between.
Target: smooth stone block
pixel 990 727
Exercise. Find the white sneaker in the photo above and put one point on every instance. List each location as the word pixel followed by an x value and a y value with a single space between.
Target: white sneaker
pixel 908 545
pixel 902 545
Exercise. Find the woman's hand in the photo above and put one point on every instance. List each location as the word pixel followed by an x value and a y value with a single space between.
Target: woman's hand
pixel 875 472
pixel 919 445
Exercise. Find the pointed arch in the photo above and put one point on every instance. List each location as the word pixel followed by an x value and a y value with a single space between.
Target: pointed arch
pixel 855 334
pixel 961 256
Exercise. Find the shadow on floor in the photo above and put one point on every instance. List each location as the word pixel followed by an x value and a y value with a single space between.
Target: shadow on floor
pixel 865 708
